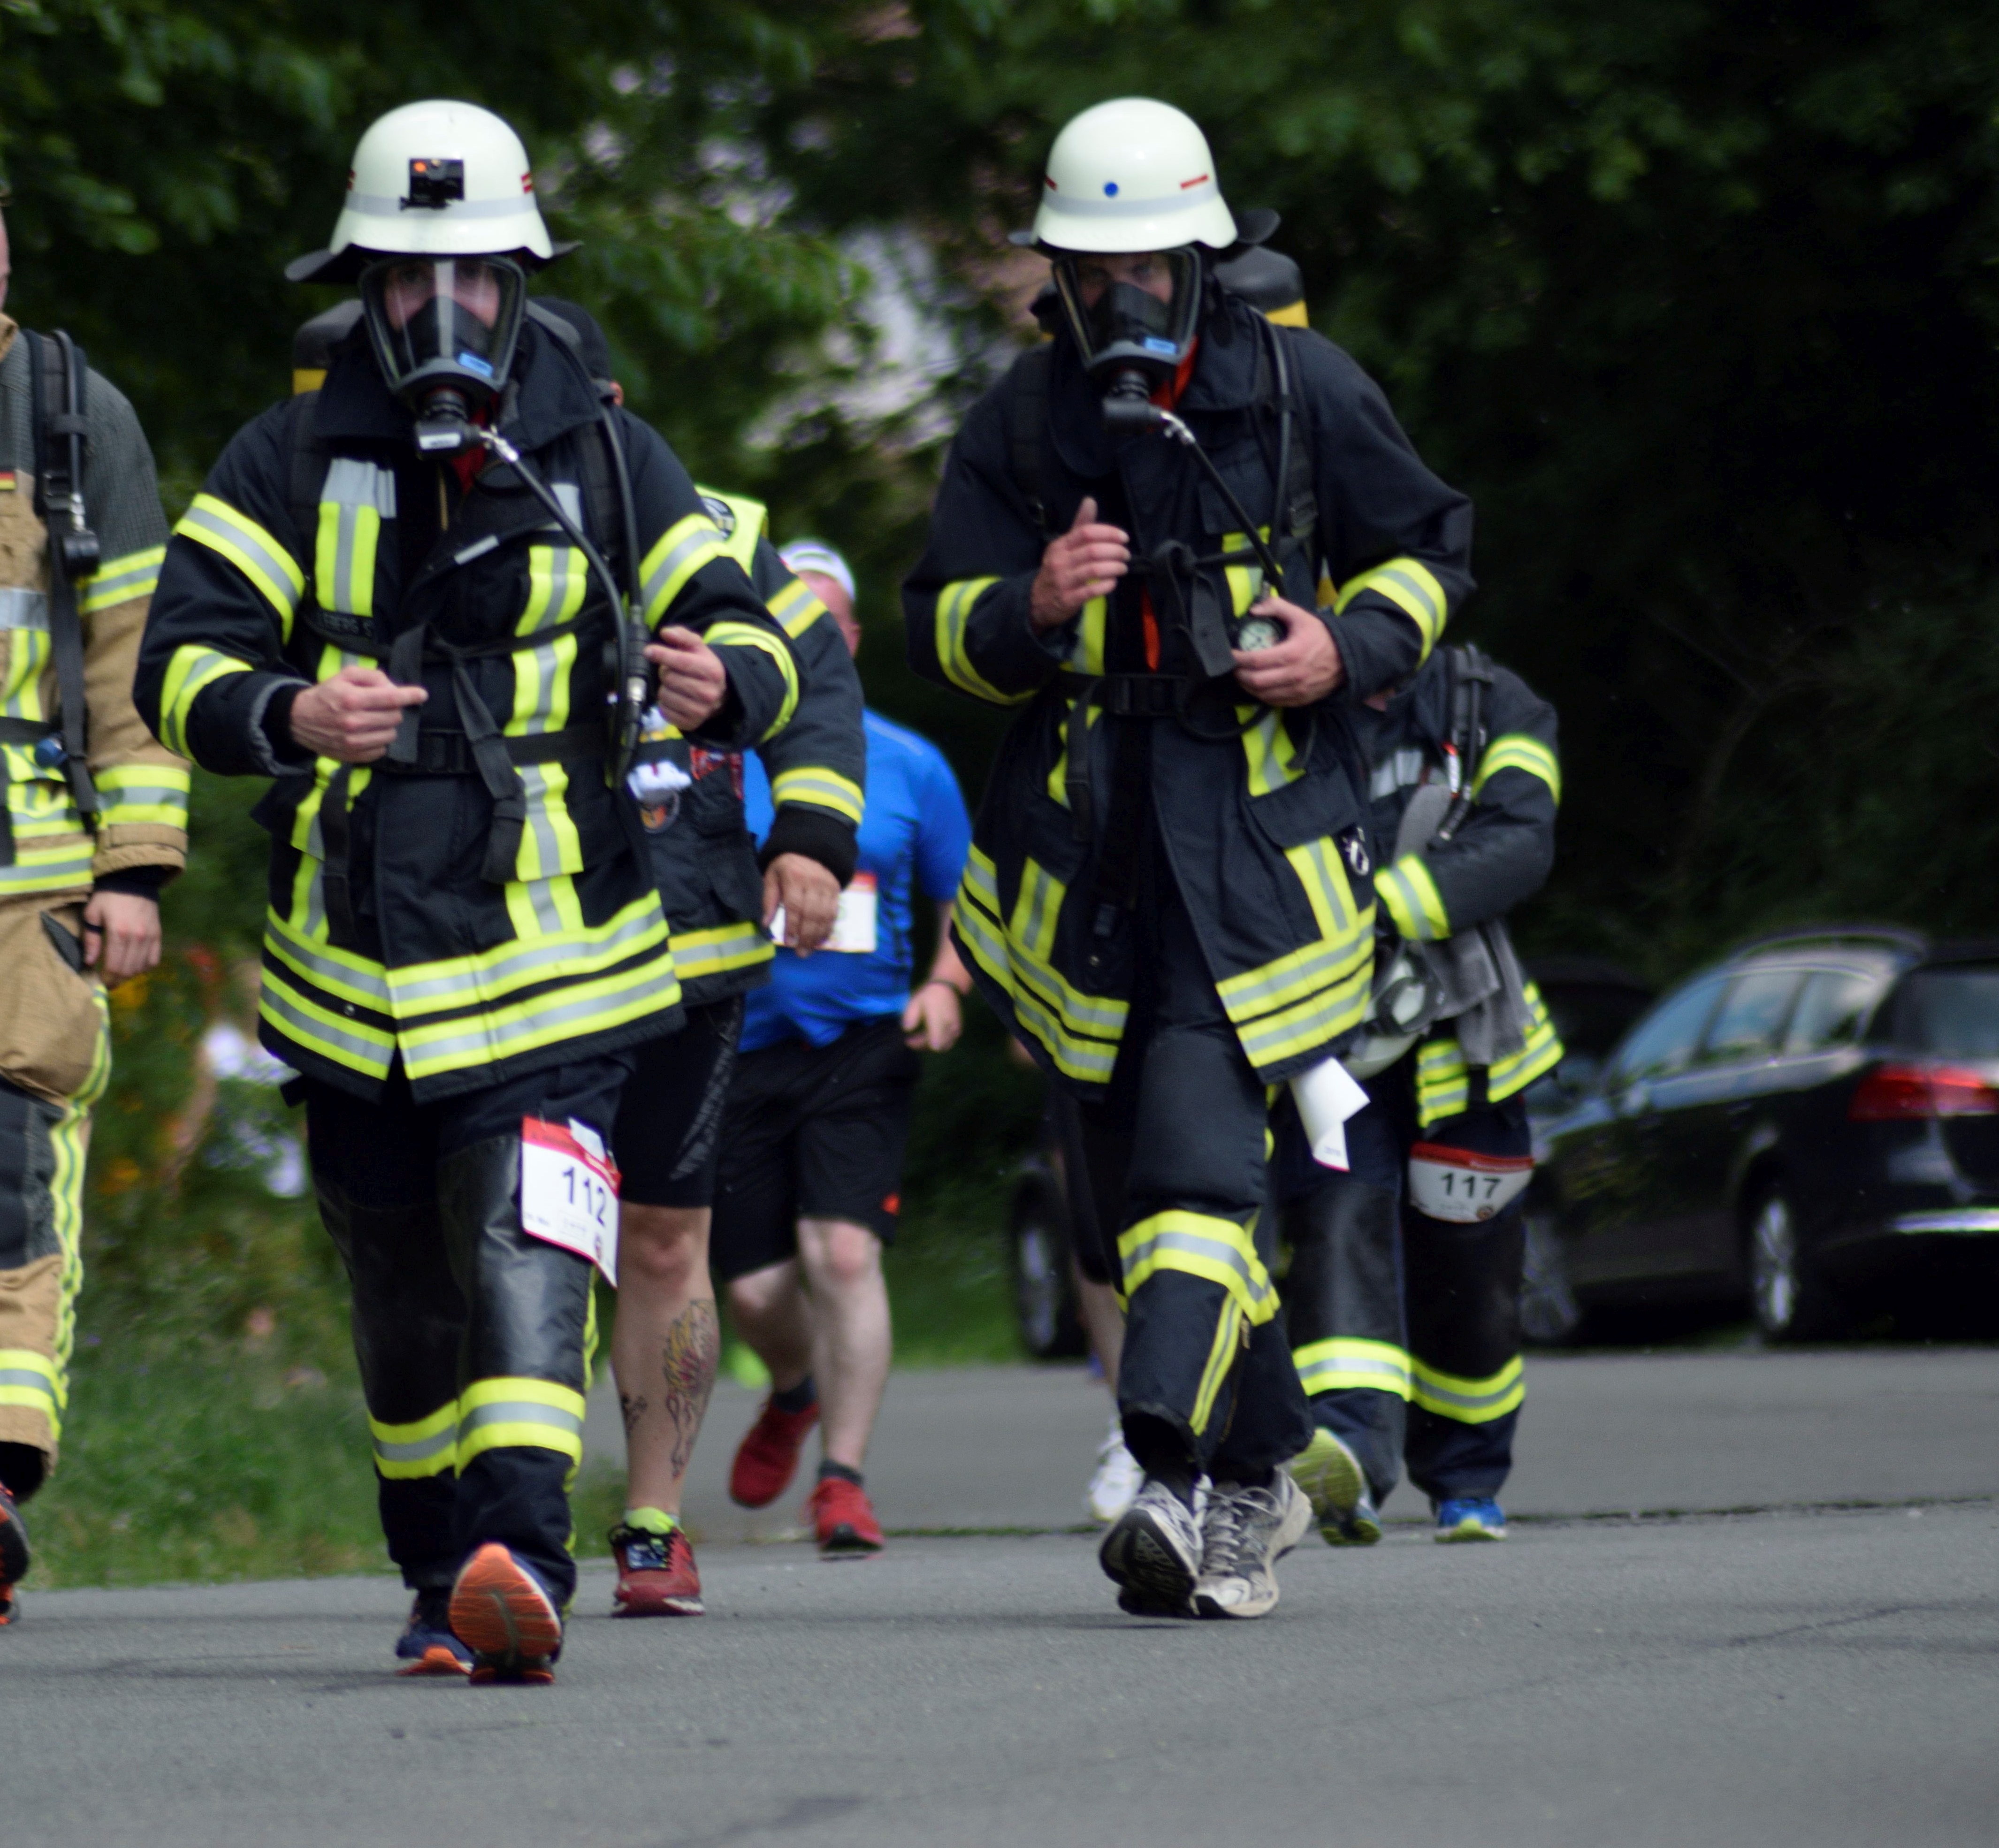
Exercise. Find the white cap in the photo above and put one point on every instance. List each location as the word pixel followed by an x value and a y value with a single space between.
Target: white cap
pixel 435 179
pixel 1134 174
pixel 816 555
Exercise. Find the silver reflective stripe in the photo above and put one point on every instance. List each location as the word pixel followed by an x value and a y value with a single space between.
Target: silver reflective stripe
pixel 1394 1378
pixel 1322 965
pixel 1404 770
pixel 373 1054
pixel 569 497
pixel 1427 1387
pixel 522 1412
pixel 370 205
pixel 352 482
pixel 494 1038
pixel 35 1382
pixel 657 579
pixel 504 971
pixel 477 549
pixel 444 1443
pixel 1975 1219
pixel 24 609
pixel 1217 1251
pixel 368 982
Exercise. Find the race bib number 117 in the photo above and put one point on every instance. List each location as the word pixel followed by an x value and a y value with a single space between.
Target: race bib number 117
pixel 569 1191
pixel 1461 1187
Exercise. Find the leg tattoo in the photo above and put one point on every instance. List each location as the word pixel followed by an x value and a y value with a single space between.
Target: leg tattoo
pixel 634 1405
pixel 688 1363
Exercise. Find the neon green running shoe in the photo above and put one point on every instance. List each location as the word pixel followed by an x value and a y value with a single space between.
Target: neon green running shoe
pixel 1336 1486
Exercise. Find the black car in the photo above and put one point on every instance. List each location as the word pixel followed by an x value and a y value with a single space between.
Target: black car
pixel 1800 1127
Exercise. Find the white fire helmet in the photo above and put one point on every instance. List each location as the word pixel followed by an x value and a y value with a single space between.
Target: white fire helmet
pixel 1133 174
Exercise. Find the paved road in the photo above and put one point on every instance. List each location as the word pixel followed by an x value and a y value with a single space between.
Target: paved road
pixel 1824 1679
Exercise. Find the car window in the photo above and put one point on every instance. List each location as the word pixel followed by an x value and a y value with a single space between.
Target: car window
pixel 1745 1026
pixel 1952 1012
pixel 1830 1012
pixel 1663 1042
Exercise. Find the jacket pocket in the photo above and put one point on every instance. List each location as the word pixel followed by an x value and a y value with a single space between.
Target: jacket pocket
pixel 51 1013
pixel 1321 803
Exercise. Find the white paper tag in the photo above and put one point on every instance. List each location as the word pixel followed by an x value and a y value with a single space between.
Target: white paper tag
pixel 854 925
pixel 1326 1096
pixel 569 1191
pixel 1460 1186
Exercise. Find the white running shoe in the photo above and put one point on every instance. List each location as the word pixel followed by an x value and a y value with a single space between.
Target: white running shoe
pixel 1153 1552
pixel 1115 1485
pixel 1244 1534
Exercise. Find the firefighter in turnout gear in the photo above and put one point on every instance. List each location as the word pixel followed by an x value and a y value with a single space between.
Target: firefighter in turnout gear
pixel 1403 1288
pixel 1168 899
pixel 93 823
pixel 402 597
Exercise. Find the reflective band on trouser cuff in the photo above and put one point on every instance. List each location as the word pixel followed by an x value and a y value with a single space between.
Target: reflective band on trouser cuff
pixel 1518 751
pixel 796 608
pixel 822 788
pixel 699 954
pixel 1413 900
pixel 33 1382
pixel 191 672
pixel 429 1447
pixel 497 1414
pixel 954 616
pixel 143 795
pixel 253 551
pixel 1470 1400
pixel 1340 1364
pixel 1200 1245
pixel 687 545
pixel 1412 588
pixel 1443 1082
pixel 741 635
pixel 119 580
pixel 1221 1356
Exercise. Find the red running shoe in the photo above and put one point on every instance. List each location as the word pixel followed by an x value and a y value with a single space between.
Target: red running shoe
pixel 767 1458
pixel 844 1520
pixel 501 1613
pixel 13 1556
pixel 656 1574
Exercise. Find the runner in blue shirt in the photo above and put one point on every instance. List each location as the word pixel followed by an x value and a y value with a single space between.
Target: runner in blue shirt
pixel 818 1117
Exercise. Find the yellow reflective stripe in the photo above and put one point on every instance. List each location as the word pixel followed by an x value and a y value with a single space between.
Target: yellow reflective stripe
pixel 1518 751
pixel 719 635
pixel 1245 582
pixel 1281 1036
pixel 699 954
pixel 119 580
pixel 1273 760
pixel 1542 1052
pixel 685 547
pixel 357 1044
pixel 747 519
pixel 1199 1245
pixel 1036 910
pixel 1057 783
pixel 558 578
pixel 31 1379
pixel 1086 652
pixel 27 659
pixel 1221 1356
pixel 1341 1364
pixel 191 672
pixel 795 607
pixel 51 868
pixel 1291 977
pixel 1443 1081
pixel 954 617
pixel 254 551
pixel 822 788
pixel 150 794
pixel 427 988
pixel 1413 900
pixel 1469 1401
pixel 356 498
pixel 494 1414
pixel 1323 874
pixel 428 1447
pixel 1412 588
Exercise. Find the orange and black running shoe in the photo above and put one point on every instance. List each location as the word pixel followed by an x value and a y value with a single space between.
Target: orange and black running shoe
pixel 427 1645
pixel 501 1612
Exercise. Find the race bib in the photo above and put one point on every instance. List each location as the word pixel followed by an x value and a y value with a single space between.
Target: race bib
pixel 569 1191
pixel 854 926
pixel 1461 1187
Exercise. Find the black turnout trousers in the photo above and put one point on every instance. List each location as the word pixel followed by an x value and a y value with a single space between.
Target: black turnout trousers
pixel 471 1336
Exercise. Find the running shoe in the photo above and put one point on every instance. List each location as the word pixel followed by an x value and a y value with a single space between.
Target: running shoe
pixel 1116 1482
pixel 1331 1478
pixel 1153 1552
pixel 503 1615
pixel 13 1556
pixel 844 1519
pixel 656 1574
pixel 1246 1532
pixel 1466 1517
pixel 427 1644
pixel 767 1458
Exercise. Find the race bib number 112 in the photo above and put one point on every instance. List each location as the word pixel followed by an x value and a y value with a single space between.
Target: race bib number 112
pixel 569 1191
pixel 1460 1187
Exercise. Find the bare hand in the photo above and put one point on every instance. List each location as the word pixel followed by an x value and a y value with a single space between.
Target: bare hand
pixel 810 895
pixel 125 929
pixel 932 1021
pixel 1304 667
pixel 352 717
pixel 692 684
pixel 1086 562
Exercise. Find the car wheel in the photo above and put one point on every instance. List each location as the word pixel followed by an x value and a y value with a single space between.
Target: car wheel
pixel 1044 1290
pixel 1550 1315
pixel 1788 1295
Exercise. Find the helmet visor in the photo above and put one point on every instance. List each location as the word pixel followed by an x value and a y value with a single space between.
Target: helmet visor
pixel 443 320
pixel 1137 309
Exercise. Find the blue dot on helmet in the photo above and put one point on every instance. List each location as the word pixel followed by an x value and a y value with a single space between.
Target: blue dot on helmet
pixel 1110 188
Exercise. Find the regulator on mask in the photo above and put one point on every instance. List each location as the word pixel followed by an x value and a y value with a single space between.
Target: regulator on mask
pixel 444 330
pixel 1139 328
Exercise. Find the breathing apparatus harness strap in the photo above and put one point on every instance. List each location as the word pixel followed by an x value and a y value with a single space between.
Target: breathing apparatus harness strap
pixel 1471 682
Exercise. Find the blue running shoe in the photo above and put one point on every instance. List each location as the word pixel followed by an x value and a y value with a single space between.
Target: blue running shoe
pixel 427 1644
pixel 1469 1517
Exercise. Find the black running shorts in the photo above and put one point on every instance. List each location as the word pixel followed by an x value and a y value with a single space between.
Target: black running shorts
pixel 814 1132
pixel 670 1118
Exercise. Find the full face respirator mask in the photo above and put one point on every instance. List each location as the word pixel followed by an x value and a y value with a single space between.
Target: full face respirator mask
pixel 1134 321
pixel 444 330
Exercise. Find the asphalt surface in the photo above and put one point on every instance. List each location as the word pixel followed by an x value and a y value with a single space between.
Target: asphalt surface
pixel 1817 1677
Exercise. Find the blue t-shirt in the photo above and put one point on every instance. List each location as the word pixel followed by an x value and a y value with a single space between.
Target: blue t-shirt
pixel 915 833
